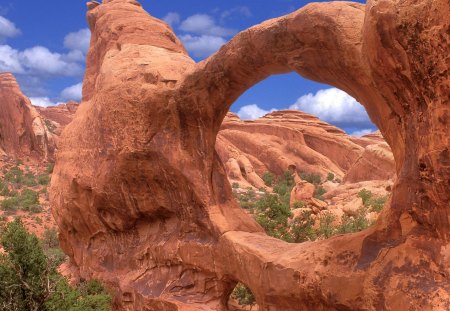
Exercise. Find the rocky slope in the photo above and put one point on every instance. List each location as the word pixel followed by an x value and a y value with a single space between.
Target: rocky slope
pixel 23 132
pixel 142 199
pixel 283 139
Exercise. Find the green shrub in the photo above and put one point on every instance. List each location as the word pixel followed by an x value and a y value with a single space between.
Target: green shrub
pixel 365 195
pixel 10 204
pixel 330 176
pixel 377 203
pixel 43 179
pixel 311 178
pixel 319 192
pixel 235 185
pixel 14 175
pixel 50 238
pixel 267 177
pixel 243 295
pixel 247 199
pixel 299 204
pixel 29 179
pixel 302 229
pixel 326 228
pixel 273 216
pixel 29 279
pixel 351 224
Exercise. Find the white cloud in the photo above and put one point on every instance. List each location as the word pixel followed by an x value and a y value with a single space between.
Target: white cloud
pixel 7 29
pixel 40 60
pixel 72 92
pixel 202 46
pixel 203 24
pixel 172 18
pixel 78 40
pixel 252 112
pixel 362 132
pixel 41 101
pixel 334 106
pixel 10 60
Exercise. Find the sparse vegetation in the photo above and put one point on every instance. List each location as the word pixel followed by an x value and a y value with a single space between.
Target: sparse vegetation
pixel 371 202
pixel 330 176
pixel 29 279
pixel 311 178
pixel 243 295
pixel 268 178
pixel 319 192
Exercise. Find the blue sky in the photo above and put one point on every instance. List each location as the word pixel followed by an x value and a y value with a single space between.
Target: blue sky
pixel 44 44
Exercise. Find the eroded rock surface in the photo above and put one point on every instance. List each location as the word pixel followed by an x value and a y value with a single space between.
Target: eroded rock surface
pixel 280 139
pixel 23 132
pixel 142 199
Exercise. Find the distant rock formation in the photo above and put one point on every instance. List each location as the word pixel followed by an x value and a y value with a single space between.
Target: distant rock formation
pixel 142 199
pixel 23 133
pixel 59 115
pixel 289 137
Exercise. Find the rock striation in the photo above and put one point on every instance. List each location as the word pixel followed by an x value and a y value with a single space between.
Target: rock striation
pixel 23 133
pixel 287 138
pixel 142 199
pixel 58 116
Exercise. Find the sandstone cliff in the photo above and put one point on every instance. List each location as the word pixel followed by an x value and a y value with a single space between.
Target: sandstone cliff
pixel 285 138
pixel 23 133
pixel 142 199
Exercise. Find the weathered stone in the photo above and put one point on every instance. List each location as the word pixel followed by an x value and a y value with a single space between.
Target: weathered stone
pixel 142 199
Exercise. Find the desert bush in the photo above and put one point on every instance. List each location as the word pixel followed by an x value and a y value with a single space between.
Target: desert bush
pixel 365 195
pixel 273 216
pixel 243 295
pixel 29 279
pixel 326 228
pixel 319 192
pixel 235 185
pixel 302 230
pixel 330 176
pixel 43 179
pixel 377 203
pixel 268 178
pixel 299 204
pixel 311 178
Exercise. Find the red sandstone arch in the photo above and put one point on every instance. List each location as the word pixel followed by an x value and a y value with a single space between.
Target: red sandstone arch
pixel 141 197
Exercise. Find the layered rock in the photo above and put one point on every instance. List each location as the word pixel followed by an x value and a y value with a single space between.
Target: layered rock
pixel 23 133
pixel 142 199
pixel 59 115
pixel 284 138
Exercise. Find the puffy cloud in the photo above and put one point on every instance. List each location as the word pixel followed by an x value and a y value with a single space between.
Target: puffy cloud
pixel 10 60
pixel 362 132
pixel 40 60
pixel 172 18
pixel 41 101
pixel 72 92
pixel 79 40
pixel 7 29
pixel 336 107
pixel 202 46
pixel 252 112
pixel 203 24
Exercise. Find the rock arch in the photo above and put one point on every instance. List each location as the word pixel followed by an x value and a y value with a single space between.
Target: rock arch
pixel 142 199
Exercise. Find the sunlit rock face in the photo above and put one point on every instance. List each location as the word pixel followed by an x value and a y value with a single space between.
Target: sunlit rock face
pixel 287 138
pixel 142 199
pixel 23 133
